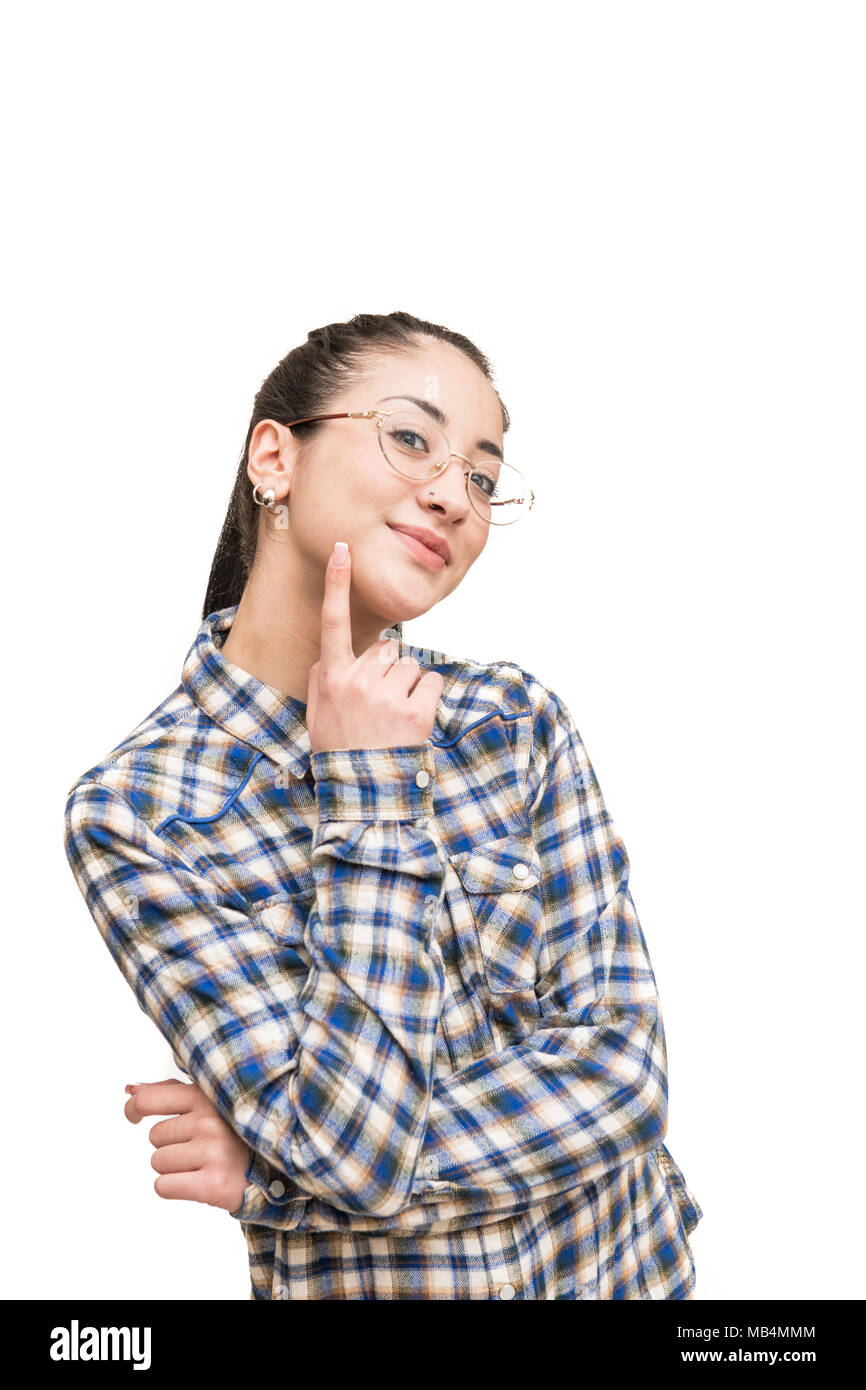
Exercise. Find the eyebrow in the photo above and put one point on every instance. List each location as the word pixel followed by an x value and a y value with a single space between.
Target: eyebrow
pixel 486 445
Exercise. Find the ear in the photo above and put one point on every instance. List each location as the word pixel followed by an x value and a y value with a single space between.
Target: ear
pixel 271 457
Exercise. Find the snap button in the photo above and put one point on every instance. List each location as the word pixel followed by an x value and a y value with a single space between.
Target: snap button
pixel 422 778
pixel 507 1291
pixel 277 1188
pixel 520 870
pixel 430 905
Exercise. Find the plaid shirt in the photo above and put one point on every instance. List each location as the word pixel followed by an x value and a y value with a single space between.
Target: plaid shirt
pixel 412 979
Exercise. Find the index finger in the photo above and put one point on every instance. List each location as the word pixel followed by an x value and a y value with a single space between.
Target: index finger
pixel 336 630
pixel 159 1098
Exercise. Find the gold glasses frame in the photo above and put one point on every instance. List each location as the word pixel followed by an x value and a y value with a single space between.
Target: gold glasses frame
pixel 381 416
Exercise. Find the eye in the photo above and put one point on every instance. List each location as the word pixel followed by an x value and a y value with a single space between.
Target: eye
pixel 403 435
pixel 484 482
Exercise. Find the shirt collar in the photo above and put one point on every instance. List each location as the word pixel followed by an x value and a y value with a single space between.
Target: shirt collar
pixel 276 723
pixel 257 714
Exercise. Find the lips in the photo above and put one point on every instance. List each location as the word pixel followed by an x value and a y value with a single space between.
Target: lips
pixel 427 541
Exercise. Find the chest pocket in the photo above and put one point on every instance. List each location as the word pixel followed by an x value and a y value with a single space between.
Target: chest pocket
pixel 502 881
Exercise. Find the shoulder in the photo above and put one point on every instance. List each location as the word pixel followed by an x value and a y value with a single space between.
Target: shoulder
pixel 175 756
pixel 478 690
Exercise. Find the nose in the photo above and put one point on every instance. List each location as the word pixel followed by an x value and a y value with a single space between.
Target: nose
pixel 449 490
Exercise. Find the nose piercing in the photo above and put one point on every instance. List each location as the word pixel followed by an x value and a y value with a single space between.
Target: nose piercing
pixel 430 492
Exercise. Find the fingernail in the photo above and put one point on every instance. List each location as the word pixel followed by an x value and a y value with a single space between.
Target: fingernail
pixel 341 550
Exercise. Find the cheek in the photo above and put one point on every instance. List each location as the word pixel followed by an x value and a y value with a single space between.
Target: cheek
pixel 341 495
pixel 365 490
pixel 469 560
pixel 476 550
pixel 384 490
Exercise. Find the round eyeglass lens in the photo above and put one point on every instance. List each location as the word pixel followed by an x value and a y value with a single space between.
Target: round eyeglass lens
pixel 497 492
pixel 413 444
pixel 416 447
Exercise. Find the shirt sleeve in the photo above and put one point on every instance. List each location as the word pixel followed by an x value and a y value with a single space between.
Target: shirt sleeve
pixel 587 1090
pixel 329 1090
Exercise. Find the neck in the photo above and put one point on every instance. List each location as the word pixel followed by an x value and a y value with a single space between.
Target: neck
pixel 275 635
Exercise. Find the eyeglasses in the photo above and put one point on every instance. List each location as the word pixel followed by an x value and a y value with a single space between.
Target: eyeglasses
pixel 416 448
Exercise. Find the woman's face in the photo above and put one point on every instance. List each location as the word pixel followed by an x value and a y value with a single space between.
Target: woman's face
pixel 339 486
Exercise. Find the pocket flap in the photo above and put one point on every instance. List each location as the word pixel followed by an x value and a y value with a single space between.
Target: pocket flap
pixel 507 864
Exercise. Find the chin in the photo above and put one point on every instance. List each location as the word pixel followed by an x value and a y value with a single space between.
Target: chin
pixel 403 612
pixel 407 612
pixel 397 604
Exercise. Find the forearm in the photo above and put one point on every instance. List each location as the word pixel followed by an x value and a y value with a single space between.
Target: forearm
pixel 585 1093
pixel 354 1107
pixel 330 1084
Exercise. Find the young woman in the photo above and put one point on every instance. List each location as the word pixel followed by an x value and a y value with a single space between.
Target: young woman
pixel 375 902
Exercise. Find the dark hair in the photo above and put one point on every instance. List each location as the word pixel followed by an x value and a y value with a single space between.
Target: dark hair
pixel 305 382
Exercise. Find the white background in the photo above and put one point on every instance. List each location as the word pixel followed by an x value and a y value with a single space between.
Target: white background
pixel 651 218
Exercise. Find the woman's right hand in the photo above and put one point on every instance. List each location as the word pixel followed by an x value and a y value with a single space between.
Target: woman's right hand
pixel 370 701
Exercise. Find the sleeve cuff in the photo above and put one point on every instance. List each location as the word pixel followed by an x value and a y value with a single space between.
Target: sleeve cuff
pixel 270 1197
pixel 365 784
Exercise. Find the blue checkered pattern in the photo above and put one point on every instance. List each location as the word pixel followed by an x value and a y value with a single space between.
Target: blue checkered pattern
pixel 412 979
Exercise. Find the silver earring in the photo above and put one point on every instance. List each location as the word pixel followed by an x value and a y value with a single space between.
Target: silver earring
pixel 268 496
